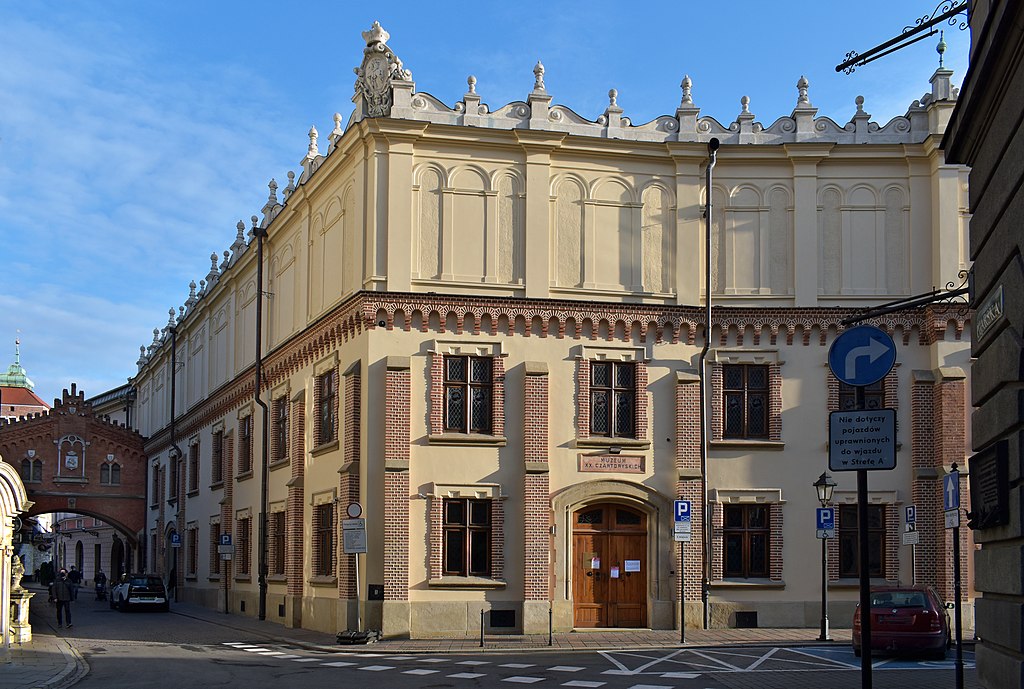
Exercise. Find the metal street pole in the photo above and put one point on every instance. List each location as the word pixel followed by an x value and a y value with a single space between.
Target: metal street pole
pixel 958 620
pixel 865 580
pixel 823 636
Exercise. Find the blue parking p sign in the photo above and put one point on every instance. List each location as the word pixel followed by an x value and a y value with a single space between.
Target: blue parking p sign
pixel 682 510
pixel 826 518
pixel 225 539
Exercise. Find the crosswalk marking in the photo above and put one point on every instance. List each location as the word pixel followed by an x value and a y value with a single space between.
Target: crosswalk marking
pixel 585 685
pixel 304 660
pixel 271 653
pixel 473 662
pixel 420 671
pixel 368 655
pixel 338 663
pixel 517 666
pixel 288 656
pixel 680 675
pixel 255 649
pixel 523 680
pixel 376 668
pixel 430 660
pixel 566 668
pixel 466 675
pixel 651 686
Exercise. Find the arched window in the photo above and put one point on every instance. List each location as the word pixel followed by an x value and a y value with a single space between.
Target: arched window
pixel 32 470
pixel 110 474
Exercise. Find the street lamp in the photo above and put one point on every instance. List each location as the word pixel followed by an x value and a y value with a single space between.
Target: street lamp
pixel 824 486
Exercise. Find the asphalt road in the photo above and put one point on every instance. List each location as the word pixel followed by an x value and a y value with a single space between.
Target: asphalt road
pixel 152 649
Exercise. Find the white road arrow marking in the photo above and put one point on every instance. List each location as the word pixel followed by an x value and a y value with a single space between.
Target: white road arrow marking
pixel 872 350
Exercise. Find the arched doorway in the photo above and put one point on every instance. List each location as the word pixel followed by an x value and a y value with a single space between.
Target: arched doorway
pixel 609 566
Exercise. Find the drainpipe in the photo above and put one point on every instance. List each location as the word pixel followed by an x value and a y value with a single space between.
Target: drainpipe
pixel 702 369
pixel 175 452
pixel 260 234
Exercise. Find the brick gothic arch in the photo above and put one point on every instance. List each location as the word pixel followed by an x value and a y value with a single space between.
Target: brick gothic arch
pixel 90 465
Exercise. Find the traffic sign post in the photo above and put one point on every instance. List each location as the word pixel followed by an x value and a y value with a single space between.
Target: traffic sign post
pixel 951 506
pixel 911 537
pixel 859 357
pixel 682 532
pixel 353 542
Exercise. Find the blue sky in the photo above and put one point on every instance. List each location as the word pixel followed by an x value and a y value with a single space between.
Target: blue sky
pixel 133 136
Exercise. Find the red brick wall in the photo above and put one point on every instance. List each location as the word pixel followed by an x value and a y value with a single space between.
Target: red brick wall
pixel 435 516
pixel 498 539
pixel 536 490
pixel 642 401
pixel 396 535
pixel 227 507
pixel 776 542
pixel 687 451
pixel 348 486
pixel 294 521
pixel 717 419
pixel 582 398
pixel 775 402
pixel 396 482
pixel 436 393
pixel 498 392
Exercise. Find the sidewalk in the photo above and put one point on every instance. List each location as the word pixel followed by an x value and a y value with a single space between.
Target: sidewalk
pixel 48 661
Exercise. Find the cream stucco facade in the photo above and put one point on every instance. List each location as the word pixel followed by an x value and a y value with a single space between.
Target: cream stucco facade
pixel 536 247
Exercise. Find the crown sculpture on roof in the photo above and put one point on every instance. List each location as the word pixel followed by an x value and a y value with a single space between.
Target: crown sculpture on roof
pixel 374 77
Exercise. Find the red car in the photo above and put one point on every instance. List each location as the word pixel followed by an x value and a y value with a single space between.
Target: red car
pixel 909 618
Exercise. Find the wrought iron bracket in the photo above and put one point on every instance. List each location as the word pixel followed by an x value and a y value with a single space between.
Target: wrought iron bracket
pixel 961 294
pixel 945 11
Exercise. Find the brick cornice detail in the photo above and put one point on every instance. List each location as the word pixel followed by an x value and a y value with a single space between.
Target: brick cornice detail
pixel 559 318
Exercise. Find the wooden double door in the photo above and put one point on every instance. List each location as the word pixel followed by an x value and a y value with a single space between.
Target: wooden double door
pixel 609 567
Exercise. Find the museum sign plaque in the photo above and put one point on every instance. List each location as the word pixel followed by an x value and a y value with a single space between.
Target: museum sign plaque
pixel 623 464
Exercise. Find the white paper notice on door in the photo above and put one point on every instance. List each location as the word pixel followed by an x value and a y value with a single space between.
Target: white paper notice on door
pixel 615 573
pixel 595 563
pixel 632 565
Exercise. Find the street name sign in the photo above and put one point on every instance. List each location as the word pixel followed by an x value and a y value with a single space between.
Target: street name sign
pixel 862 355
pixel 862 440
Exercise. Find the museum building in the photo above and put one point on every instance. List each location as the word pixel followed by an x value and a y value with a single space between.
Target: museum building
pixel 484 327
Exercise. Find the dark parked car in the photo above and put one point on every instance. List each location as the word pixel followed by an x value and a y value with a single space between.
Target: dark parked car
pixel 909 618
pixel 139 591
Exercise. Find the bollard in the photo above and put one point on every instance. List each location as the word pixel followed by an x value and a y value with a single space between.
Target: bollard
pixel 481 627
pixel 551 625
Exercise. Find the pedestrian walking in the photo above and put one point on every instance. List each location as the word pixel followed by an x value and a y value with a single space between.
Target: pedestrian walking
pixel 75 579
pixel 61 596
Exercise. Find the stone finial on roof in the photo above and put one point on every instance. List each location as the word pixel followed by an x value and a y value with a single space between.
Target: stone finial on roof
pixel 859 101
pixel 686 85
pixel 192 298
pixel 156 335
pixel 471 83
pixel 745 105
pixel 290 187
pixel 801 87
pixel 238 246
pixel 224 263
pixel 941 47
pixel 313 151
pixel 272 185
pixel 142 356
pixel 613 98
pixel 538 77
pixel 170 317
pixel 211 277
pixel 181 313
